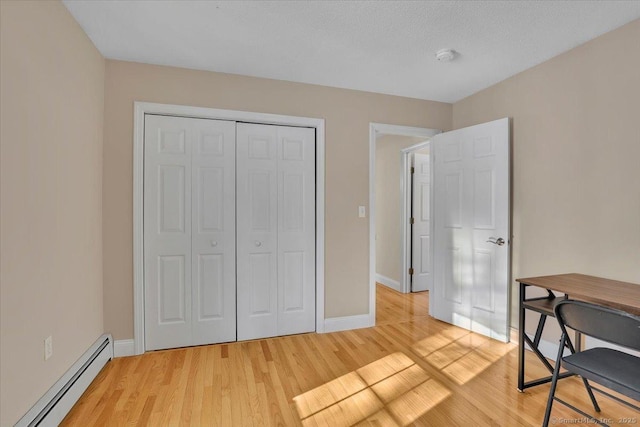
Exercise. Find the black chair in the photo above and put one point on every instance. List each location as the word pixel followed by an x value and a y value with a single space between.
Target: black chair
pixel 610 368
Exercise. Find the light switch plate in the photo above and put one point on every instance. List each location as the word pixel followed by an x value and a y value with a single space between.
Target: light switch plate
pixel 362 212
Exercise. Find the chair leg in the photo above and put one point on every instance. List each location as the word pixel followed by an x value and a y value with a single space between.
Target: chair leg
pixel 591 396
pixel 554 382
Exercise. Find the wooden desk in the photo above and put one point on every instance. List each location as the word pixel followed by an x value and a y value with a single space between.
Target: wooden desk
pixel 613 293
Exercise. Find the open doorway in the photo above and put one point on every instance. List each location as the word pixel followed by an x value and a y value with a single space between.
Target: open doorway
pixel 389 211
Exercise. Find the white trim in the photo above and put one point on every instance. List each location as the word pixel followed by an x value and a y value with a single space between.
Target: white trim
pixel 375 130
pixel 550 349
pixel 142 108
pixel 372 223
pixel 547 348
pixel 386 129
pixel 123 348
pixel 513 335
pixel 320 171
pixel 138 229
pixel 70 388
pixel 405 226
pixel 592 342
pixel 336 324
pixel 388 282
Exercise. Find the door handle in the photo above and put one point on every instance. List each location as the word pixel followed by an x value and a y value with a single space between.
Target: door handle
pixel 499 241
pixel 258 243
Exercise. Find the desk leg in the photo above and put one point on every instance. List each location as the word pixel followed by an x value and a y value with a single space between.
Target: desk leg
pixel 521 338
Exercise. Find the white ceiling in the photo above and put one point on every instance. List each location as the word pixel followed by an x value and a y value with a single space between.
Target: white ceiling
pixel 377 46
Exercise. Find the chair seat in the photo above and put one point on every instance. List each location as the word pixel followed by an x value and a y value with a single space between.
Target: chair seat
pixel 611 368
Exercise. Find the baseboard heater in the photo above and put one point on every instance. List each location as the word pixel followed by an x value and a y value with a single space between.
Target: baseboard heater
pixel 51 409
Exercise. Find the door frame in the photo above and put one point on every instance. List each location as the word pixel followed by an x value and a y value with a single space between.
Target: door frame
pixel 139 111
pixel 407 198
pixel 376 130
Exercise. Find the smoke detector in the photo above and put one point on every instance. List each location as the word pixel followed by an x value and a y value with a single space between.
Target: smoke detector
pixel 445 55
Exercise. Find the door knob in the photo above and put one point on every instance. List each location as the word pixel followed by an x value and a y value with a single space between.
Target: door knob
pixel 258 243
pixel 499 241
pixel 214 243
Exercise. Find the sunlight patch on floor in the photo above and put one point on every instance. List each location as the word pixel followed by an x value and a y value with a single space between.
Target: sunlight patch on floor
pixel 328 394
pixel 392 391
pixel 475 362
pixel 416 402
pixel 461 354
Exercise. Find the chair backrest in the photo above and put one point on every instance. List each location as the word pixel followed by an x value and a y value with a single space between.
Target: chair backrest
pixel 607 324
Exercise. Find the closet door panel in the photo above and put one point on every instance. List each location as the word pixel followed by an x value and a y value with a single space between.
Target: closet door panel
pixel 257 226
pixel 167 232
pixel 296 230
pixel 213 239
pixel 189 231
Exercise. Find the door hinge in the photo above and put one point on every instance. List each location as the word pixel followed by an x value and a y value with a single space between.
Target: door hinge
pixel 413 170
pixel 412 220
pixel 411 271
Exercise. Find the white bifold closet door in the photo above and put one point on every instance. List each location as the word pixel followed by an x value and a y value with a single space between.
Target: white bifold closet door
pixel 229 231
pixel 275 230
pixel 189 232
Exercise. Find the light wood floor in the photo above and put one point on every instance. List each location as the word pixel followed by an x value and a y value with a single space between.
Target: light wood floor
pixel 407 370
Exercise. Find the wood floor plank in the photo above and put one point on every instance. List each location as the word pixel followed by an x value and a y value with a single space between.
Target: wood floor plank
pixel 409 369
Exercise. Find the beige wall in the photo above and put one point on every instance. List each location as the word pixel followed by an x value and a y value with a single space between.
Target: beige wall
pixel 347 116
pixel 52 86
pixel 576 158
pixel 389 203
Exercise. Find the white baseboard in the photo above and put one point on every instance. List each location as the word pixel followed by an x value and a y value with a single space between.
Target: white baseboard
pixel 550 349
pixel 547 348
pixel 591 342
pixel 54 405
pixel 335 324
pixel 513 336
pixel 393 284
pixel 122 348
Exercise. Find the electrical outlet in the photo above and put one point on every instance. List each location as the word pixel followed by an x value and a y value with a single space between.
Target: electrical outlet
pixel 48 347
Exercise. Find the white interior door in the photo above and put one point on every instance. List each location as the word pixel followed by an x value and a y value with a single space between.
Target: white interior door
pixel 421 214
pixel 472 228
pixel 189 231
pixel 276 230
